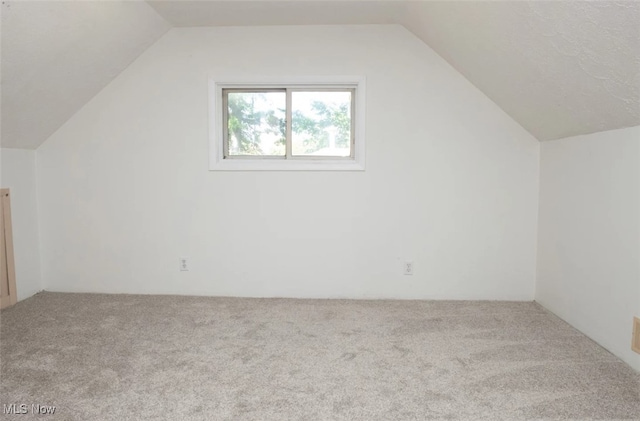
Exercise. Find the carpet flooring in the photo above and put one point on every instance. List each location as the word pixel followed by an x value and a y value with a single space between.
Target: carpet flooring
pixel 130 357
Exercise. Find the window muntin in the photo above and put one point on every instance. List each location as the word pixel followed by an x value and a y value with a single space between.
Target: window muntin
pixel 289 123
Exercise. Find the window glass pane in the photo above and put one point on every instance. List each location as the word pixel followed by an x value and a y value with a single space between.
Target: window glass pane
pixel 256 123
pixel 321 123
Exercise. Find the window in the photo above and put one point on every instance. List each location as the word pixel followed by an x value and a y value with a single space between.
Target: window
pixel 271 125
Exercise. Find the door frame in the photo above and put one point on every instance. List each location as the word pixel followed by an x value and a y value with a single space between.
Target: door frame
pixel 7 247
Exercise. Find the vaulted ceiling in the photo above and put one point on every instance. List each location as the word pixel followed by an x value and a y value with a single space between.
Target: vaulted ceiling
pixel 557 68
pixel 56 56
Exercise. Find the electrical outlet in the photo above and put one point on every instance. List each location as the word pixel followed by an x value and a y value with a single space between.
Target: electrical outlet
pixel 184 264
pixel 408 268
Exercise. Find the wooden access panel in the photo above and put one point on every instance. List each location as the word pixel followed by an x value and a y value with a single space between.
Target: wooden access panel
pixel 635 338
pixel 8 295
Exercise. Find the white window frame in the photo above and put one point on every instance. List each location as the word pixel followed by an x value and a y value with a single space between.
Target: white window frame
pixel 217 161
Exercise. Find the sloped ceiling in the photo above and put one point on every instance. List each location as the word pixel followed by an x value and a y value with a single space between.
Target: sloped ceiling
pixel 56 56
pixel 558 68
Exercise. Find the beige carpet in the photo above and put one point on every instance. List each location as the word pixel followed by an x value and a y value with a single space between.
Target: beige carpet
pixel 123 357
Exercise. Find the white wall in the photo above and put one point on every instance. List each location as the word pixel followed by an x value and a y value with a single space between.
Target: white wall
pixel 19 174
pixel 589 235
pixel 451 181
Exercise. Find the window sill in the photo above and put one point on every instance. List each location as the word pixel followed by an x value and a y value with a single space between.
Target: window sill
pixel 285 165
